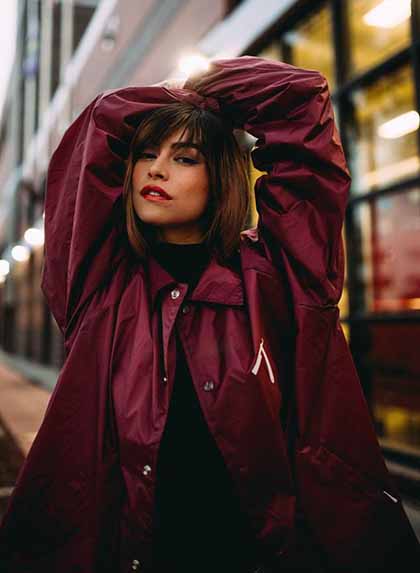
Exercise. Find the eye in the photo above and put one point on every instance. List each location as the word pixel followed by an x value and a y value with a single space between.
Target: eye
pixel 186 160
pixel 146 155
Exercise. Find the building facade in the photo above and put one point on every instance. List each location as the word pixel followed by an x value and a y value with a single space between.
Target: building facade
pixel 369 50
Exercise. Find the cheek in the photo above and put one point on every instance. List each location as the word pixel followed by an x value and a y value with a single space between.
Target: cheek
pixel 198 198
pixel 200 189
pixel 136 200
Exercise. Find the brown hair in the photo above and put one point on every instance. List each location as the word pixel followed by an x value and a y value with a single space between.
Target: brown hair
pixel 227 167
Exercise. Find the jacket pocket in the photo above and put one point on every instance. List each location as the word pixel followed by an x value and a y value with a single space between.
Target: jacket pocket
pixel 356 518
pixel 335 468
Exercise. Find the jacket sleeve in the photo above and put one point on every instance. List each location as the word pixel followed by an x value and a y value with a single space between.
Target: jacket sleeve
pixel 302 198
pixel 83 203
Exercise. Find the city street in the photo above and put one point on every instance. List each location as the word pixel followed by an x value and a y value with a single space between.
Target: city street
pixel 233 186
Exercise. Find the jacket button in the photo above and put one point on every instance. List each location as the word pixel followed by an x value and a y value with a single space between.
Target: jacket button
pixel 146 470
pixel 175 293
pixel 185 309
pixel 164 379
pixel 208 386
pixel 135 564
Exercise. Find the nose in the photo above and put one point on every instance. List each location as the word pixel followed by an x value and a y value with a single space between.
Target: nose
pixel 158 169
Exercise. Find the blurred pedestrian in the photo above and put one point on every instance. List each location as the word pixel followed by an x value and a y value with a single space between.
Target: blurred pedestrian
pixel 208 415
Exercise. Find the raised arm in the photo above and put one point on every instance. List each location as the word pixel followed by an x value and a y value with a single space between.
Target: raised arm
pixel 83 204
pixel 301 203
pixel 302 199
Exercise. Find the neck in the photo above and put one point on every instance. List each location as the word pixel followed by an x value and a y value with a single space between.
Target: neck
pixel 178 236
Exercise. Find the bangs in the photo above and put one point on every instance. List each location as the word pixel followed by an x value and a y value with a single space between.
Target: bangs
pixel 200 128
pixel 162 123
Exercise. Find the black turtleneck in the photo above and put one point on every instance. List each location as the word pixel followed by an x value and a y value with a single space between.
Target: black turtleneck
pixel 184 261
pixel 198 522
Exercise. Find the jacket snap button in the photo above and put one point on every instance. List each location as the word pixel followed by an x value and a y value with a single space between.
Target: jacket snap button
pixel 164 379
pixel 135 564
pixel 146 470
pixel 208 386
pixel 185 309
pixel 175 293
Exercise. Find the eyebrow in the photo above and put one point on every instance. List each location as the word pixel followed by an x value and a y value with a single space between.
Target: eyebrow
pixel 180 145
pixel 184 144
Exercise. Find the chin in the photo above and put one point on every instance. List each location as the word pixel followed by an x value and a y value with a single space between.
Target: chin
pixel 150 218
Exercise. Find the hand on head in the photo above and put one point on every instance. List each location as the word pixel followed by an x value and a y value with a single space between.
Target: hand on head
pixel 171 83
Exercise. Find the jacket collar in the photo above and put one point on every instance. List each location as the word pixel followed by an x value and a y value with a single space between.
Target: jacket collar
pixel 218 284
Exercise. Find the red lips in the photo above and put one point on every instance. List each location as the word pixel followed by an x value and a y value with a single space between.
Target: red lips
pixel 159 190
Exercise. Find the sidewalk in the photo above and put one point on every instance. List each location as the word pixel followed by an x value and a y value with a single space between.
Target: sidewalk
pixel 10 462
pixel 22 407
pixel 23 401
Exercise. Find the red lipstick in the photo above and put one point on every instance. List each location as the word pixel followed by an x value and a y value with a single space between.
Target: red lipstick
pixel 149 192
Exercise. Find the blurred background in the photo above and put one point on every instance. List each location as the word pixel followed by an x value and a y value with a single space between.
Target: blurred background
pixel 63 53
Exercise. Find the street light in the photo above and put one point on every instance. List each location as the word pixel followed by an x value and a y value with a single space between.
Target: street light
pixel 20 253
pixel 400 125
pixel 388 14
pixel 4 267
pixel 34 236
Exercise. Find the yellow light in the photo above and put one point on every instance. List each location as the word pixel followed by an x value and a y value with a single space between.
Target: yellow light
pixel 393 171
pixel 400 125
pixel 4 267
pixel 413 303
pixel 20 253
pixel 190 64
pixel 34 236
pixel 388 14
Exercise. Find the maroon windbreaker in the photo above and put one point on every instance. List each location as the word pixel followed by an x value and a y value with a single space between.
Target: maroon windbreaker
pixel 285 405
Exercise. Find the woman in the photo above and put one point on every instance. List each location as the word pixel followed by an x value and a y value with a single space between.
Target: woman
pixel 208 415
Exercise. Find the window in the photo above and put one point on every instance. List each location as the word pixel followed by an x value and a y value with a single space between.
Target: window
pixel 394 363
pixel 81 19
pixel 273 51
pixel 343 303
pixel 310 45
pixel 377 30
pixel 382 135
pixel 388 269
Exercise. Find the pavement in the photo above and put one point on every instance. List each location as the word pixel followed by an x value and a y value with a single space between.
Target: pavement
pixel 10 462
pixel 22 407
pixel 25 390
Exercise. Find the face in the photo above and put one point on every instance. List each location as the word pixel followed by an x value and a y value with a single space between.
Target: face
pixel 179 170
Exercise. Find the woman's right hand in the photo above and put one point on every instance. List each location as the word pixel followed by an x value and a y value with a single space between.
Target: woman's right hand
pixel 171 83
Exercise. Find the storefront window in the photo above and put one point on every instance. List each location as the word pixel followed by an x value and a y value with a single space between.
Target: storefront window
pixel 394 362
pixel 344 300
pixel 383 133
pixel 389 231
pixel 378 29
pixel 310 44
pixel 273 51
